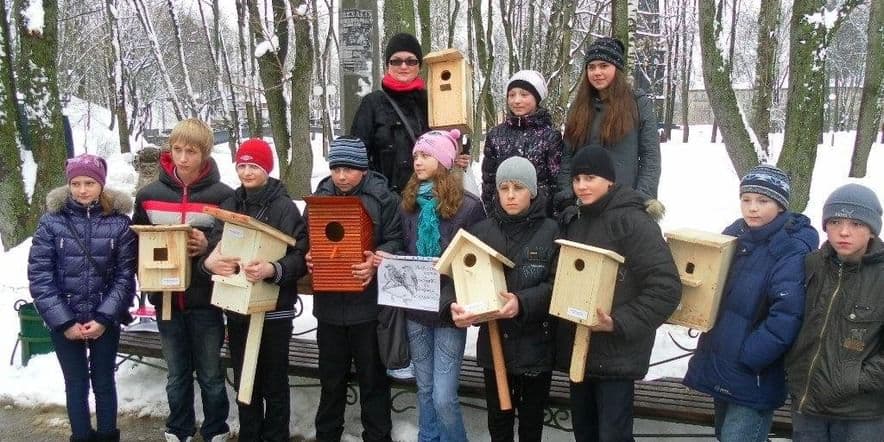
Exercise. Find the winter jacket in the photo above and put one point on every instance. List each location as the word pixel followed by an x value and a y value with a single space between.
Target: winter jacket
pixel 273 206
pixel 531 136
pixel 470 212
pixel 636 156
pixel 527 240
pixel 66 287
pixel 648 288
pixel 169 201
pixel 836 367
pixel 382 206
pixel 386 139
pixel 741 359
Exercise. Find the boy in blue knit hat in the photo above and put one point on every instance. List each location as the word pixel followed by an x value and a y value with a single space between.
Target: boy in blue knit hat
pixel 739 362
pixel 836 368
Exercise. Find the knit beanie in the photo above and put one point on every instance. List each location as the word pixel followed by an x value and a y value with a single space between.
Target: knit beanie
pixel 606 49
pixel 348 152
pixel 520 170
pixel 593 161
pixel 439 144
pixel 255 151
pixel 88 165
pixel 403 42
pixel 531 81
pixel 769 181
pixel 857 202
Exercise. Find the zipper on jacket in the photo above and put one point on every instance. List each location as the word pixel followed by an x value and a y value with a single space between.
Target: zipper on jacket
pixel 819 344
pixel 184 200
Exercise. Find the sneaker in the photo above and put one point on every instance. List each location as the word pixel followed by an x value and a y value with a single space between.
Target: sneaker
pixel 173 438
pixel 220 437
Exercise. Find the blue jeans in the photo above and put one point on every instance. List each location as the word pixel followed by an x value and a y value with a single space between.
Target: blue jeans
pixel 738 423
pixel 807 428
pixel 83 362
pixel 437 353
pixel 602 410
pixel 192 342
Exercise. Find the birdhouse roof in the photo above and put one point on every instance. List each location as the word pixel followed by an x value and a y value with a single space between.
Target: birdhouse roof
pixel 161 228
pixel 248 222
pixel 610 254
pixel 460 239
pixel 700 237
pixel 449 54
pixel 334 202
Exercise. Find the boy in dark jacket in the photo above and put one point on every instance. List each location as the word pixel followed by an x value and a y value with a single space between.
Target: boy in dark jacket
pixel 740 361
pixel 192 338
pixel 612 216
pixel 517 226
pixel 836 367
pixel 347 322
pixel 266 417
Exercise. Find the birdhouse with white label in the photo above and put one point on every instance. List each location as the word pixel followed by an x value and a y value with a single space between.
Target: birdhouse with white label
pixel 163 264
pixel 449 91
pixel 340 230
pixel 585 280
pixel 249 240
pixel 703 261
pixel 477 271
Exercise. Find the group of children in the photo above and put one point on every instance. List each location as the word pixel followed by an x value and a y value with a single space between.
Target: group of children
pixel 789 311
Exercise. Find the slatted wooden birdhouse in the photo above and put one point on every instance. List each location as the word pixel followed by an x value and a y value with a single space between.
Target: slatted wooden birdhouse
pixel 585 281
pixel 449 91
pixel 248 239
pixel 477 271
pixel 163 264
pixel 340 230
pixel 703 261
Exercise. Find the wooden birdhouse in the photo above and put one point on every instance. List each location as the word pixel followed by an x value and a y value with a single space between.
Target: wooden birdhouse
pixel 585 281
pixel 477 271
pixel 449 91
pixel 248 239
pixel 703 261
pixel 163 264
pixel 340 230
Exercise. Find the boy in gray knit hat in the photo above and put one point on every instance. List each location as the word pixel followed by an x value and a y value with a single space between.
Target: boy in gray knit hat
pixel 836 367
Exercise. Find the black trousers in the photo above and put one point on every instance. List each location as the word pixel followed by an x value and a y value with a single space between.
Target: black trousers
pixel 267 417
pixel 339 347
pixel 529 394
pixel 602 410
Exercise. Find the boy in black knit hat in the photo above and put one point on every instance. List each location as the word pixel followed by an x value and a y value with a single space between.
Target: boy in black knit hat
pixel 836 368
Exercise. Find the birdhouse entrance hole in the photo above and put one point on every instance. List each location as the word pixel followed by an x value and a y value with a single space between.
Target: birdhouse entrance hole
pixel 469 260
pixel 446 75
pixel 579 264
pixel 161 254
pixel 334 231
pixel 689 268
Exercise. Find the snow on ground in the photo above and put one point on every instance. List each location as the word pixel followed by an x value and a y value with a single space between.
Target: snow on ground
pixel 698 187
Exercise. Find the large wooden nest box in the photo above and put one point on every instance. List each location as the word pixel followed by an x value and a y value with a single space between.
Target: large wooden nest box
pixel 703 261
pixel 477 271
pixel 449 91
pixel 585 280
pixel 248 239
pixel 340 230
pixel 163 264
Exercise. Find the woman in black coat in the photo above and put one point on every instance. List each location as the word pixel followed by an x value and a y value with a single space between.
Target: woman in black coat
pixel 518 227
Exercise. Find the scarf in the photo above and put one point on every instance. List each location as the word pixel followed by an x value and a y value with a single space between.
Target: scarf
pixel 429 240
pixel 395 85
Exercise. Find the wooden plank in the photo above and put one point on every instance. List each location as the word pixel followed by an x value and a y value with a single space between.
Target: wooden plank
pixel 248 222
pixel 250 357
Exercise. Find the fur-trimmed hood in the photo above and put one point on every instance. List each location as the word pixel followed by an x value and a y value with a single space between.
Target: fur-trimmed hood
pixel 56 199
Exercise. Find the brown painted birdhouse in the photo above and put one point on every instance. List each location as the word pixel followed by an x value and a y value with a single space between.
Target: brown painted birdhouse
pixel 247 239
pixel 477 271
pixel 585 280
pixel 703 261
pixel 163 264
pixel 340 230
pixel 449 90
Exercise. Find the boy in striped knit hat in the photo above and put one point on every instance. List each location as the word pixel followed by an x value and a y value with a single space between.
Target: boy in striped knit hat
pixel 347 322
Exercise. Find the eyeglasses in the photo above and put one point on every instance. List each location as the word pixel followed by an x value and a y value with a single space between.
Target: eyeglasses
pixel 400 62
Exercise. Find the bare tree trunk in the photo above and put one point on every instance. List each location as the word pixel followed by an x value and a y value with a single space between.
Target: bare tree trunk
pixel 398 17
pixel 247 68
pixel 232 122
pixel 620 21
pixel 13 200
pixel 188 86
pixel 687 56
pixel 423 12
pixel 485 55
pixel 452 21
pixel 506 15
pixel 144 17
pixel 765 70
pixel 558 57
pixel 737 139
pixel 299 170
pixel 870 107
pixel 119 80
pixel 321 56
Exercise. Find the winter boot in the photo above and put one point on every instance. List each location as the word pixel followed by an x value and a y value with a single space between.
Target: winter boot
pixel 173 438
pixel 108 437
pixel 220 437
pixel 90 438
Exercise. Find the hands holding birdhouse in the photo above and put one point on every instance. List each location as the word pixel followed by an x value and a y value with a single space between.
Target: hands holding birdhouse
pixel 220 264
pixel 605 322
pixel 197 243
pixel 510 309
pixel 365 270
